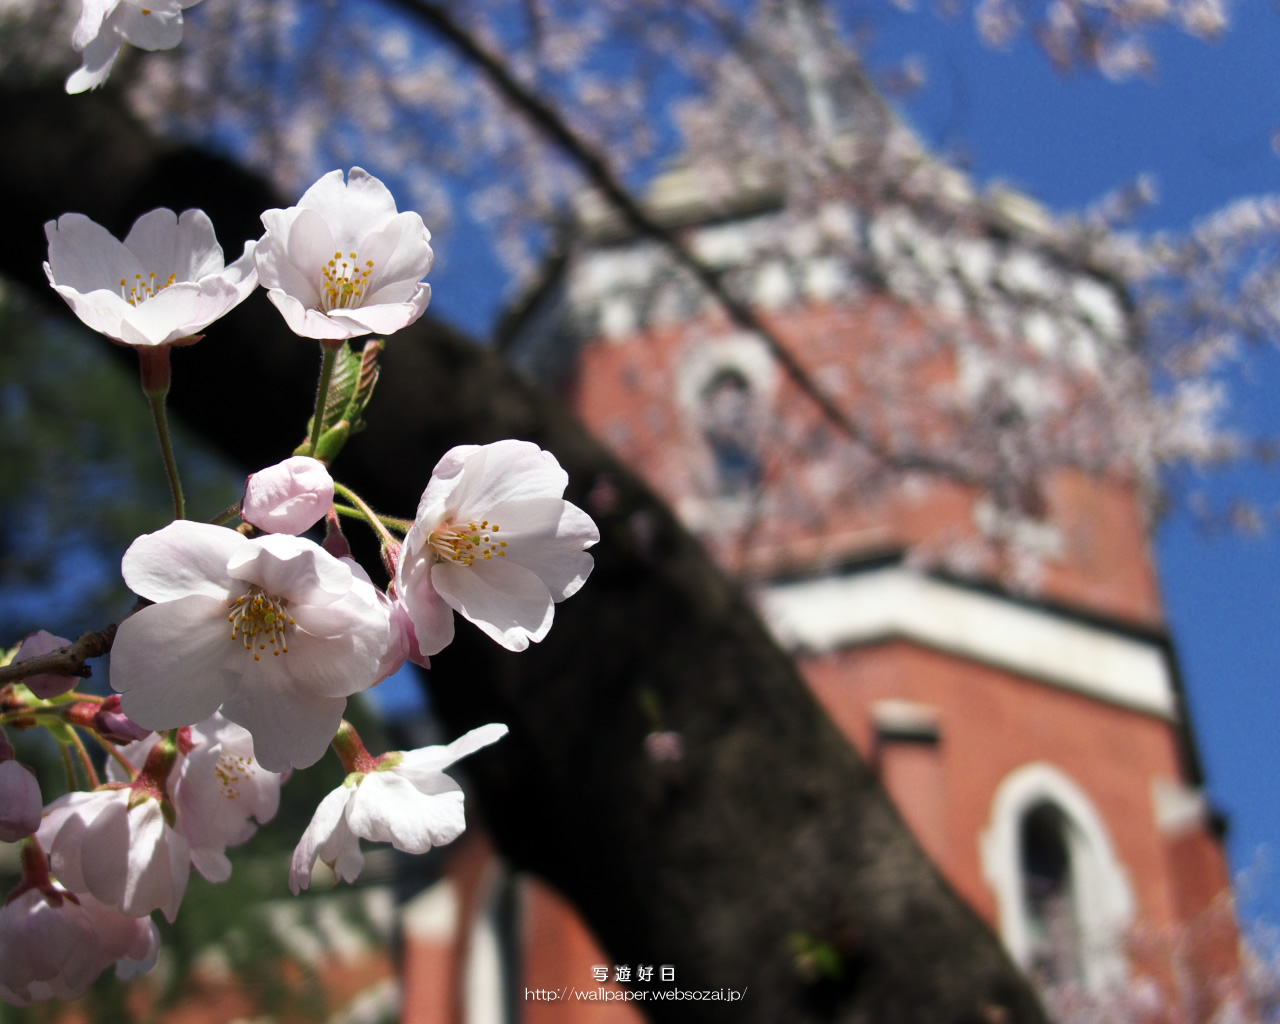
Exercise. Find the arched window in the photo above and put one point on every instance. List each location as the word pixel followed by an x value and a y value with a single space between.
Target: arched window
pixel 1064 900
pixel 728 425
pixel 1049 896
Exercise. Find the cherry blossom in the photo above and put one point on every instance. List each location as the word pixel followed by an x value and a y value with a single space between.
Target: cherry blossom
pixel 162 285
pixel 106 25
pixel 495 541
pixel 405 799
pixel 48 684
pixel 274 631
pixel 56 943
pixel 220 793
pixel 116 844
pixel 289 497
pixel 344 262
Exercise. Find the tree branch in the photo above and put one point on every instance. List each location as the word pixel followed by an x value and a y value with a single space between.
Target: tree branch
pixel 65 661
pixel 542 116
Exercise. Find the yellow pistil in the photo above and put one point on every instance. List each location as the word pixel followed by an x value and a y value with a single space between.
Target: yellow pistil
pixel 143 289
pixel 258 621
pixel 345 282
pixel 465 542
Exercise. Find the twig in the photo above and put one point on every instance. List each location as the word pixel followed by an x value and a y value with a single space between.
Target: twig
pixel 543 117
pixel 65 661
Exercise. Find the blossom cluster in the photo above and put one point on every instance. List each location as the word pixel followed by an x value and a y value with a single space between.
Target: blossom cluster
pixel 236 665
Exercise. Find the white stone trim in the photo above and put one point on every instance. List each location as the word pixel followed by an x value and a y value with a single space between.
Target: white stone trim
pixel 1104 897
pixel 1178 807
pixel 841 611
pixel 741 351
pixel 485 975
pixel 432 915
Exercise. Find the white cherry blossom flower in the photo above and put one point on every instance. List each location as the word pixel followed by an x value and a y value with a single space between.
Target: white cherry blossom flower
pixel 165 283
pixel 289 497
pixel 221 794
pixel 406 800
pixel 274 631
pixel 495 541
pixel 219 791
pixel 116 844
pixel 344 262
pixel 106 25
pixel 55 944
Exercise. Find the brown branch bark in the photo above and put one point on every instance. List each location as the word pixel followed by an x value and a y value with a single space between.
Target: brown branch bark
pixel 65 661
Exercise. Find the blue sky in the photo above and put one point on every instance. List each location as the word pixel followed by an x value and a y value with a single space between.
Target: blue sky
pixel 1203 127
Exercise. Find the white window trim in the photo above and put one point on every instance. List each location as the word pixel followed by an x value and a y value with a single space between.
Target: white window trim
pixel 485 974
pixel 1104 896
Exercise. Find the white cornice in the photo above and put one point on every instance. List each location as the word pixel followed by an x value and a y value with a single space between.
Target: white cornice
pixel 896 603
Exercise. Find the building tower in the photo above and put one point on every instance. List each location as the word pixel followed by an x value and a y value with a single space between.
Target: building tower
pixel 996 649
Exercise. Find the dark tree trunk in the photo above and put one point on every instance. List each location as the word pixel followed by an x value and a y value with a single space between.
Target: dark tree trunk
pixel 769 832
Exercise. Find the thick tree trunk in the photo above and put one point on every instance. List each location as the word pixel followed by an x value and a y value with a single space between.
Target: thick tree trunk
pixel 769 834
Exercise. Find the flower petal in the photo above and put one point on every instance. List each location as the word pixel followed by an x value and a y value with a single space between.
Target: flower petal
pixel 291 567
pixel 432 618
pixel 498 473
pixel 549 536
pixel 353 210
pixel 173 663
pixel 85 256
pixel 423 765
pixel 182 559
pixel 320 832
pixel 184 246
pixel 308 322
pixel 386 318
pixel 397 270
pixel 389 809
pixel 291 725
pixel 155 30
pixel 508 602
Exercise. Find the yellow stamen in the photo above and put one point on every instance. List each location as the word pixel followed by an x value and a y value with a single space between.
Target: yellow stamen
pixel 463 543
pixel 260 623
pixel 344 284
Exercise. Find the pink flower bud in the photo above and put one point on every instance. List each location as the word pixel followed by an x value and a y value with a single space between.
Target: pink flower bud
pixel 289 497
pixel 664 746
pixel 47 685
pixel 20 803
pixel 113 724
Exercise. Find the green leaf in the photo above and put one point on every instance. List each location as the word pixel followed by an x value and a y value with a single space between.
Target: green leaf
pixel 367 373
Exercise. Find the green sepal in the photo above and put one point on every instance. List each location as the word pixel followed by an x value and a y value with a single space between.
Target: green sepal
pixel 332 440
pixel 350 388
pixel 59 730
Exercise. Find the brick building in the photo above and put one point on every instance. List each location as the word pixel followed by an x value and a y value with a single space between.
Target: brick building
pixel 1000 657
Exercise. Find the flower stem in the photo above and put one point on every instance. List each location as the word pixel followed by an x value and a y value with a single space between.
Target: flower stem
pixel 391 522
pixel 369 514
pixel 226 515
pixel 90 775
pixel 166 449
pixel 153 362
pixel 328 356
pixel 130 771
pixel 68 766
